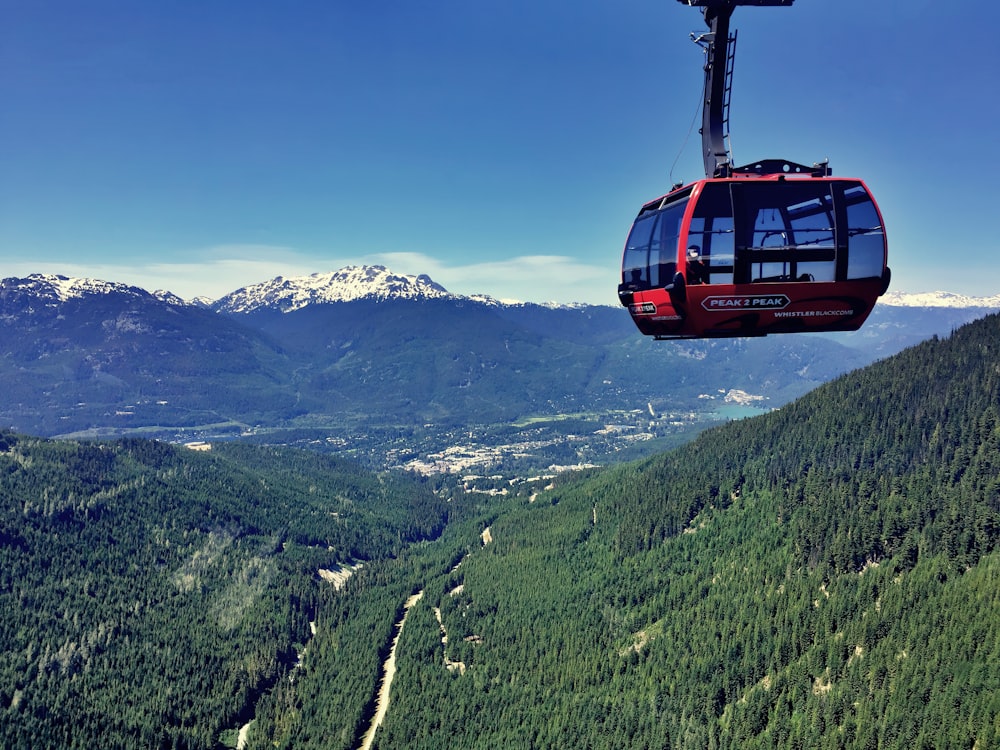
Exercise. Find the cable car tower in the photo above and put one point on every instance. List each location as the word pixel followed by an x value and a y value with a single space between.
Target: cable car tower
pixel 769 247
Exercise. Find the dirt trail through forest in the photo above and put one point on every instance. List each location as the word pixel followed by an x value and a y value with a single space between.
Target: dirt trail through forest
pixel 241 741
pixel 388 672
pixel 451 665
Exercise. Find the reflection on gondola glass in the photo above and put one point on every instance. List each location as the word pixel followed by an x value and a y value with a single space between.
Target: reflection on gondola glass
pixel 711 232
pixel 865 235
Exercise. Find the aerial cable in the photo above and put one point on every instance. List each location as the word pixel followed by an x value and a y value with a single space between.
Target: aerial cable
pixel 694 119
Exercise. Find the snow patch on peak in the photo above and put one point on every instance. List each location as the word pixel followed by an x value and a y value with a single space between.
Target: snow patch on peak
pixel 201 301
pixel 170 298
pixel 346 285
pixel 938 299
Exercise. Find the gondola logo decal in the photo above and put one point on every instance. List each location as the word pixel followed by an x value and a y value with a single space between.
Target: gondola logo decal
pixel 643 308
pixel 746 302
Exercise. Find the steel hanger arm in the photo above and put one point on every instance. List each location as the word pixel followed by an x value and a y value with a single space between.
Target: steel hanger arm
pixel 720 50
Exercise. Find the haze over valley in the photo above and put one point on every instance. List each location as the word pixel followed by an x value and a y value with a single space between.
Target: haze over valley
pixel 394 371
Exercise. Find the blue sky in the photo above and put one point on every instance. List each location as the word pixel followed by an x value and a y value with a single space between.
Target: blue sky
pixel 500 148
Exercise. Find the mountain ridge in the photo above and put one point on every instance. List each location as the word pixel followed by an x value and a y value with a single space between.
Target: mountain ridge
pixel 56 289
pixel 369 282
pixel 348 284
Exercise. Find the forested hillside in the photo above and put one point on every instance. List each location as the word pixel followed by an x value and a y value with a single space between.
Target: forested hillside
pixel 821 577
pixel 463 363
pixel 149 594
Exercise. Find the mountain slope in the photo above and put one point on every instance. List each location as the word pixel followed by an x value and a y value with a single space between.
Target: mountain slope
pixel 457 361
pixel 149 594
pixel 818 577
pixel 113 357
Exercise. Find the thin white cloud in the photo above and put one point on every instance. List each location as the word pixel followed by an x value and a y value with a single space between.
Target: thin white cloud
pixel 530 278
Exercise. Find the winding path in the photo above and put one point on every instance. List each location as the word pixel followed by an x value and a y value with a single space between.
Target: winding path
pixel 388 672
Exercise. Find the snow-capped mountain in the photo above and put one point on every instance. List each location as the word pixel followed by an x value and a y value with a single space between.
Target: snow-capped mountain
pixel 52 289
pixel 346 285
pixel 938 299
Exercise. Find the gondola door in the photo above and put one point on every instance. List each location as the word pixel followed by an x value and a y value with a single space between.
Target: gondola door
pixel 710 263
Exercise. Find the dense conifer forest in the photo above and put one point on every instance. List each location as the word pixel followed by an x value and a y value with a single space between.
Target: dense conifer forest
pixel 823 577
pixel 150 594
pixel 820 577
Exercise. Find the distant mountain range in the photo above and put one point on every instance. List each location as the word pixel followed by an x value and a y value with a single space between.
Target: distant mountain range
pixel 350 284
pixel 379 283
pixel 939 299
pixel 364 349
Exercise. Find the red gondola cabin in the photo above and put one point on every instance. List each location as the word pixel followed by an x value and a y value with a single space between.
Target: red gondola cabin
pixel 772 251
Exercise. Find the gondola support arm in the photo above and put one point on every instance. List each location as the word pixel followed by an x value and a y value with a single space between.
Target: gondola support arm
pixel 720 52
